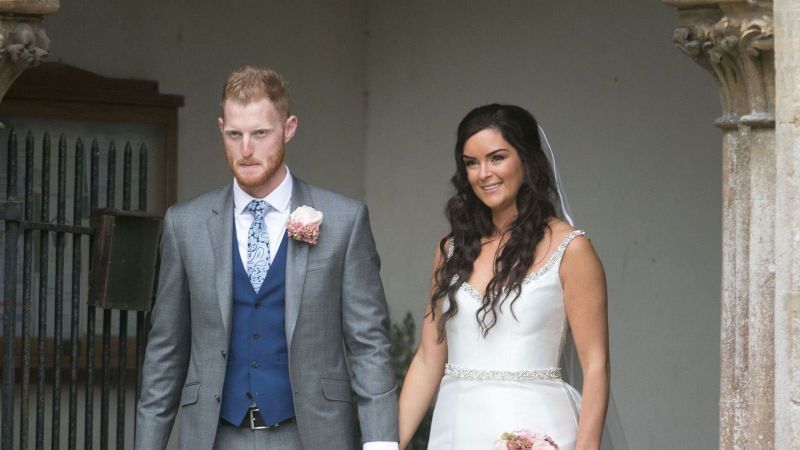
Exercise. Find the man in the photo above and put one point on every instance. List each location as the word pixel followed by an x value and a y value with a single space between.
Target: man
pixel 254 329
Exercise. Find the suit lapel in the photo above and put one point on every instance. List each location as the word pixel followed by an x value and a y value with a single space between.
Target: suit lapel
pixel 297 258
pixel 220 232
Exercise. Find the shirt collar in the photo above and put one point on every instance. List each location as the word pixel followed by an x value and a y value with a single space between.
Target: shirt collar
pixel 279 199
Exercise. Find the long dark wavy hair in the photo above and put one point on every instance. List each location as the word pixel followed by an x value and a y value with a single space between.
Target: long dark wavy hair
pixel 470 219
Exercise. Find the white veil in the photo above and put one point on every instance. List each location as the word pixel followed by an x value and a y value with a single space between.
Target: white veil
pixel 613 435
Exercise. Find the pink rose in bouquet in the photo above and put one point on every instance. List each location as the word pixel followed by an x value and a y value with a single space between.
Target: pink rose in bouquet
pixel 303 224
pixel 525 440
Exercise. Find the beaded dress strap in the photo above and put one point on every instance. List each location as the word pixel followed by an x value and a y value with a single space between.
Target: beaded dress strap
pixel 556 258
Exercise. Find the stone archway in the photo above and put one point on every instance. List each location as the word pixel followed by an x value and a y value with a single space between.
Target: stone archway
pixel 740 44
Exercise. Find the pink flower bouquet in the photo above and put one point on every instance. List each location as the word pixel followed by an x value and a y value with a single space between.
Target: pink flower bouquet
pixel 525 440
pixel 303 224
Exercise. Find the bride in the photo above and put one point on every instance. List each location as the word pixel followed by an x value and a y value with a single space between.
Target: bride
pixel 508 281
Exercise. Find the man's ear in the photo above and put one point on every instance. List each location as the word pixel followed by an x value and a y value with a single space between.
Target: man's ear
pixel 289 127
pixel 221 123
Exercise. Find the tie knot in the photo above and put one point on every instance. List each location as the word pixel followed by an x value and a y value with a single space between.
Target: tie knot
pixel 258 208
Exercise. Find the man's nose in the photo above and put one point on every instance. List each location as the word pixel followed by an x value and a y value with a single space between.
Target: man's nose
pixel 247 146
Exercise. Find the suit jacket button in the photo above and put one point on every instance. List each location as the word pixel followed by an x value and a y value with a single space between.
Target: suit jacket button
pixel 224 354
pixel 217 397
pixel 254 364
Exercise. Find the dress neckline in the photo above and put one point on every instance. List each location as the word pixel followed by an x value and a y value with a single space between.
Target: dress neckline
pixel 535 275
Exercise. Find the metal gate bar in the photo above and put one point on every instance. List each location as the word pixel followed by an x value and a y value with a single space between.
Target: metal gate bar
pixel 105 395
pixel 59 292
pixel 77 240
pixel 94 176
pixel 27 262
pixel 123 315
pixel 10 280
pixel 43 269
pixel 141 317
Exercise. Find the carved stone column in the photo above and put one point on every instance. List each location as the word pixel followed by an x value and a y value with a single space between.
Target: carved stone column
pixel 733 40
pixel 787 226
pixel 23 41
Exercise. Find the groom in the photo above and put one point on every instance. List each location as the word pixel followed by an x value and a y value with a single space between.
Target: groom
pixel 261 337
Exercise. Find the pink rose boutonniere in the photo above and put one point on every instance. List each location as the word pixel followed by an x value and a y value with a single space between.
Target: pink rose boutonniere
pixel 303 224
pixel 525 440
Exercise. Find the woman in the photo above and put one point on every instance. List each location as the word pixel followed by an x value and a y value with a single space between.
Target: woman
pixel 508 281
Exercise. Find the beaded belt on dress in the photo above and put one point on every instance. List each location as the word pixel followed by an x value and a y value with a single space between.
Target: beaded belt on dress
pixel 548 373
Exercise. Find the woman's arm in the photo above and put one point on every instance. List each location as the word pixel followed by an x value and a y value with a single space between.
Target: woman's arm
pixel 424 374
pixel 585 300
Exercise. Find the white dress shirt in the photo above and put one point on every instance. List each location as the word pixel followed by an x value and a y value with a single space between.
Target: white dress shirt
pixel 279 201
pixel 277 216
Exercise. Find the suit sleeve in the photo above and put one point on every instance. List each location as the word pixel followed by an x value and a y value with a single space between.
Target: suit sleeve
pixel 365 318
pixel 167 356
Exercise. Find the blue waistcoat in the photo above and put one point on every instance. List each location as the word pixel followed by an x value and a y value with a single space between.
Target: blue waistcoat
pixel 258 360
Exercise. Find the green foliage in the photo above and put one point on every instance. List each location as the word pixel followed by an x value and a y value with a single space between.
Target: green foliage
pixel 404 338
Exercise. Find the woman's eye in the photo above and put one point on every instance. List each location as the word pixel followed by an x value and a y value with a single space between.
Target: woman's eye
pixel 498 158
pixel 470 162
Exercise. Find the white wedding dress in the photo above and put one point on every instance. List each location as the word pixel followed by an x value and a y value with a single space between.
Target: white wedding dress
pixel 510 379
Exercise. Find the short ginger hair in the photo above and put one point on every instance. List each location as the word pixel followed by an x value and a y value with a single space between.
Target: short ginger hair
pixel 249 84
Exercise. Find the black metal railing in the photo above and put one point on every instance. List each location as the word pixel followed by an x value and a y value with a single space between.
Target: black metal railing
pixel 35 352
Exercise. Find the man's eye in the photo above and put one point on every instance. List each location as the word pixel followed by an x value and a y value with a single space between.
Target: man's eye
pixel 234 134
pixel 260 133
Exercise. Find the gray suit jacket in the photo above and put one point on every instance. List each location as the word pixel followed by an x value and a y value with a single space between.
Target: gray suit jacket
pixel 336 317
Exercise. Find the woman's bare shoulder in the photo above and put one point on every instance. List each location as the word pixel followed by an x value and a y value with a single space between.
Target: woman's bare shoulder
pixel 559 229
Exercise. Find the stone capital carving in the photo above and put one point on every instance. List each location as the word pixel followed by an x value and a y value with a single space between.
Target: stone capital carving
pixel 734 41
pixel 23 41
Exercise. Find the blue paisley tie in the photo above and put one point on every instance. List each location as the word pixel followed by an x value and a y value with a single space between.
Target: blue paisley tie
pixel 257 244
